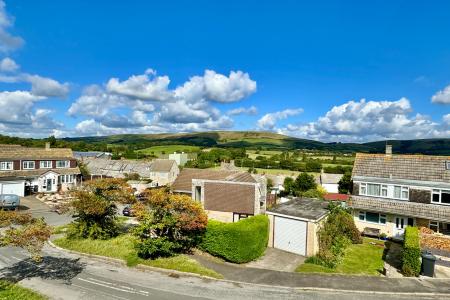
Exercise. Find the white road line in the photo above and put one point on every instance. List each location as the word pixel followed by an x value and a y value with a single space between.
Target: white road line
pixel 99 292
pixel 109 285
pixel 122 286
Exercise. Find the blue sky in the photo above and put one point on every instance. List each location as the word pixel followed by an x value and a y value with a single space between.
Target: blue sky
pixel 325 70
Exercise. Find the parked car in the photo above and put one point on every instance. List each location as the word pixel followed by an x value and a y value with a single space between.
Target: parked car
pixel 127 211
pixel 9 201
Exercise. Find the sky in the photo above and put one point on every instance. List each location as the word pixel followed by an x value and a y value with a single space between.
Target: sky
pixel 334 71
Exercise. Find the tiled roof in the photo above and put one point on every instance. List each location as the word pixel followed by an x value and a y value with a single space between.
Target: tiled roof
pixel 10 152
pixel 405 208
pixel 184 179
pixel 408 167
pixel 38 172
pixel 336 197
pixel 162 165
pixel 117 168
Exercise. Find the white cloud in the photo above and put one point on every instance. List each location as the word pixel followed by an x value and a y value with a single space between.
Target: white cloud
pixel 8 65
pixel 252 110
pixel 8 42
pixel 442 97
pixel 95 102
pixel 236 86
pixel 15 107
pixel 269 121
pixel 446 119
pixel 357 121
pixel 142 87
pixel 46 87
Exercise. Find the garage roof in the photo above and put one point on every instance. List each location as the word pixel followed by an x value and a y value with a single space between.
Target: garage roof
pixel 304 208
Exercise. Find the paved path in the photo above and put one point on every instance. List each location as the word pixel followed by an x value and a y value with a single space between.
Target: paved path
pixel 326 281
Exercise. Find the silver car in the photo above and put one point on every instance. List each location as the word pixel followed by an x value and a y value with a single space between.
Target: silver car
pixel 9 201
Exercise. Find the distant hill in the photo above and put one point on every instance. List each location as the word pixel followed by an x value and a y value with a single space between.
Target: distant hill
pixel 267 140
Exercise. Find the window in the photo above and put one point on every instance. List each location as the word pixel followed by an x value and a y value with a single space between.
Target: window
pixel 440 227
pixel 447 165
pixel 372 217
pixel 363 189
pixel 28 165
pixel 441 197
pixel 46 164
pixel 384 190
pixel 62 163
pixel 373 189
pixel 6 165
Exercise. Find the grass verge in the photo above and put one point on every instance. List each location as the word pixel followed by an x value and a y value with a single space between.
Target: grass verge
pixel 359 259
pixel 122 247
pixel 12 291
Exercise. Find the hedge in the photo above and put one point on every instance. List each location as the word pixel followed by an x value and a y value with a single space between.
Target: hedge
pixel 238 242
pixel 411 252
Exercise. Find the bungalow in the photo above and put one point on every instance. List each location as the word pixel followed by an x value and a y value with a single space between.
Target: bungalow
pixel 391 192
pixel 25 170
pixel 227 196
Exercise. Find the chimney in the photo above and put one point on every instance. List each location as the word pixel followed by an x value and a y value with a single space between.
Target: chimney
pixel 47 146
pixel 388 150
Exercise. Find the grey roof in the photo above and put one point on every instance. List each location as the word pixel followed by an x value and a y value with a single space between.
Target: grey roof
pixel 162 165
pixel 407 167
pixel 82 154
pixel 305 208
pixel 117 168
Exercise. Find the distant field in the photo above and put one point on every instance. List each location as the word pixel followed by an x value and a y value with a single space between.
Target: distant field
pixel 167 149
pixel 273 171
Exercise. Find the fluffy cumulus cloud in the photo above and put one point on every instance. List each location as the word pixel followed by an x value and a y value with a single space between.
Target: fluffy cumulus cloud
pixel 146 102
pixel 446 119
pixel 8 42
pixel 252 110
pixel 442 97
pixel 8 65
pixel 357 121
pixel 269 121
pixel 46 87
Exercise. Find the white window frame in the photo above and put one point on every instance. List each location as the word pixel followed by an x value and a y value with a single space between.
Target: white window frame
pixel 66 164
pixel 26 164
pixel 6 165
pixel 380 217
pixel 385 188
pixel 439 192
pixel 45 164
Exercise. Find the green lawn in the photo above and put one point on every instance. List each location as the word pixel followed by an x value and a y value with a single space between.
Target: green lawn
pixel 360 259
pixel 9 291
pixel 122 247
pixel 168 149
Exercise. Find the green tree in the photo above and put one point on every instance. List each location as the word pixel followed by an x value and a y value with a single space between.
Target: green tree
pixel 95 209
pixel 304 182
pixel 345 184
pixel 288 185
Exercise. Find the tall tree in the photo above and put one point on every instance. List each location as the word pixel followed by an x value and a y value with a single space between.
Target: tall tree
pixel 345 184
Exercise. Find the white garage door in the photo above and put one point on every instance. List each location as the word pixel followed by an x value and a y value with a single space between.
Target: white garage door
pixel 16 188
pixel 290 235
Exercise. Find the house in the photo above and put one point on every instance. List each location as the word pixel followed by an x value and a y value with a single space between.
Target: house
pixel 294 225
pixel 330 182
pixel 163 171
pixel 160 171
pixel 227 196
pixel 393 191
pixel 180 158
pixel 25 170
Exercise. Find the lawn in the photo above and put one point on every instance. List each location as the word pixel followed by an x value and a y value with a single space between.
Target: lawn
pixel 359 259
pixel 16 292
pixel 168 149
pixel 122 247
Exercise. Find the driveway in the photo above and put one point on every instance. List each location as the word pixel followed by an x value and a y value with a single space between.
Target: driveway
pixel 277 260
pixel 39 209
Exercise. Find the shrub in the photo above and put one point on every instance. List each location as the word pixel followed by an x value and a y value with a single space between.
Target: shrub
pixel 411 252
pixel 156 247
pixel 238 242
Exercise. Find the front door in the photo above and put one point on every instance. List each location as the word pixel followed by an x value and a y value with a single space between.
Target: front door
pixel 49 185
pixel 400 224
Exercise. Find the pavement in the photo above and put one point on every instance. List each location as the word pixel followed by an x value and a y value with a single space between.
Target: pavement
pixel 277 260
pixel 37 208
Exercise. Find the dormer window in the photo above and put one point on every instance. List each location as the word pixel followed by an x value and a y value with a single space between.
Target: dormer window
pixel 6 165
pixel 62 163
pixel 28 165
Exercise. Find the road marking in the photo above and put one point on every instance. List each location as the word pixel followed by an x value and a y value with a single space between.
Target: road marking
pixel 99 292
pixel 111 286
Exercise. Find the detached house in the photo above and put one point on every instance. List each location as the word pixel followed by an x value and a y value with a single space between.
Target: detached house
pixel 227 196
pixel 25 170
pixel 393 191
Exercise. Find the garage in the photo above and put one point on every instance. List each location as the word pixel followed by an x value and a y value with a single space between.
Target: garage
pixel 290 235
pixel 294 225
pixel 12 187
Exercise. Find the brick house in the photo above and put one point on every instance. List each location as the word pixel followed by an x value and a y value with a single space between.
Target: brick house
pixel 227 196
pixel 25 170
pixel 393 191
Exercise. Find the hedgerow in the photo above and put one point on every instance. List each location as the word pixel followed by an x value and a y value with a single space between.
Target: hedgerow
pixel 238 242
pixel 411 252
